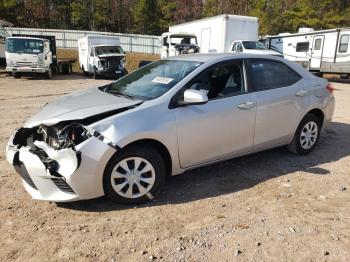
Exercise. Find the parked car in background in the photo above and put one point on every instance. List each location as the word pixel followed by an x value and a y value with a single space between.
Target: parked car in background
pixel 101 56
pixel 122 139
pixel 251 47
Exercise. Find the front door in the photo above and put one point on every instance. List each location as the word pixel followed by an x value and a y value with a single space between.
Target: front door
pixel 224 126
pixel 316 52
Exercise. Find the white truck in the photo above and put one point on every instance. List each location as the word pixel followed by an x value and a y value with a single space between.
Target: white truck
pixel 28 55
pixel 101 56
pixel 252 47
pixel 216 34
pixel 34 54
pixel 323 51
pixel 178 44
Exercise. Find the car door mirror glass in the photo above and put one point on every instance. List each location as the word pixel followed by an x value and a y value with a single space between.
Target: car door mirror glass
pixel 195 97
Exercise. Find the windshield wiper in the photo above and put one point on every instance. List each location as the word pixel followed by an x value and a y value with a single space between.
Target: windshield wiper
pixel 118 93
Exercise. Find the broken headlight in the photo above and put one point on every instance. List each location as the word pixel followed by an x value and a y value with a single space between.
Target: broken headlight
pixel 69 135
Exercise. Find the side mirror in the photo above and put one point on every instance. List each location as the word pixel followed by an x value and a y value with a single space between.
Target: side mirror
pixel 195 97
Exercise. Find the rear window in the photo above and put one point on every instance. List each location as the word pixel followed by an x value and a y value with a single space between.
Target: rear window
pixel 269 74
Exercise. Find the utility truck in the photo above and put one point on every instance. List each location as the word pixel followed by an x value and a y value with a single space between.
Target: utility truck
pixel 178 44
pixel 213 34
pixel 34 54
pixel 324 51
pixel 101 56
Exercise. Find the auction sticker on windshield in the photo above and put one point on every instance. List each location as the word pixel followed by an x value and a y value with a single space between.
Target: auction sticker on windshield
pixel 162 80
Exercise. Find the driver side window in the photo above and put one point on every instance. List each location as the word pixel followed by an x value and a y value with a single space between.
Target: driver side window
pixel 221 80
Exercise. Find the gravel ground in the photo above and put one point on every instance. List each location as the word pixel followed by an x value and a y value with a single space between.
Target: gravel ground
pixel 270 206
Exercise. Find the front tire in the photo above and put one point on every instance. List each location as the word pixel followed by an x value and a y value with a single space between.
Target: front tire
pixel 306 136
pixel 134 175
pixel 96 76
pixel 49 73
pixel 16 75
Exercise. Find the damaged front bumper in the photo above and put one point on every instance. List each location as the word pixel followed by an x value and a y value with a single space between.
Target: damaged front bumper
pixel 60 175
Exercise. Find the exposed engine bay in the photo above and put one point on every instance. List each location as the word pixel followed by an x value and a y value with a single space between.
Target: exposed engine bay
pixel 187 48
pixel 55 146
pixel 111 62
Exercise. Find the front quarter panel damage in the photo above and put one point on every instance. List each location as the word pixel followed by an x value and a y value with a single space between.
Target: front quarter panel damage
pixel 60 163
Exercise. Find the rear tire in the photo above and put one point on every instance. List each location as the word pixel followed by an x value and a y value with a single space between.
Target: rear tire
pixel 345 76
pixel 306 136
pixel 134 175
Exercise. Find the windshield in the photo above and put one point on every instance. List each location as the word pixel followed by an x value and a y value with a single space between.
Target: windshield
pixel 254 45
pixel 179 39
pixel 153 80
pixel 104 50
pixel 22 45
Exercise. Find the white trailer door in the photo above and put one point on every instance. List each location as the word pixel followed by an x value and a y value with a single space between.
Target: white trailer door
pixel 316 52
pixel 205 40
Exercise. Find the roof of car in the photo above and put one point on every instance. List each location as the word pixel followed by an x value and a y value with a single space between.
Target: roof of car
pixel 217 56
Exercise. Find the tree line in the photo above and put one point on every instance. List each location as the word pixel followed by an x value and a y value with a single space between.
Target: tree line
pixel 154 16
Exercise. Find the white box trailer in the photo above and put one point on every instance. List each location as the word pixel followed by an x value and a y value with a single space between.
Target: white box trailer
pixel 101 56
pixel 324 51
pixel 216 34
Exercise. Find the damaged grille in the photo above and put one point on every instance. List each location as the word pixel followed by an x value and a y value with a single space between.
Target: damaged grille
pixel 62 185
pixel 22 171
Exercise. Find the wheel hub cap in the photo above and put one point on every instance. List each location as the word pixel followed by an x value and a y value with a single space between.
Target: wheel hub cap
pixel 133 177
pixel 308 135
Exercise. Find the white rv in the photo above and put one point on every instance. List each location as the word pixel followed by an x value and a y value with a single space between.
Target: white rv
pixel 325 51
pixel 216 34
pixel 101 56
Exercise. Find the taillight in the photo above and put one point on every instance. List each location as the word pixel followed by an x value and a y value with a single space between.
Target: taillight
pixel 330 88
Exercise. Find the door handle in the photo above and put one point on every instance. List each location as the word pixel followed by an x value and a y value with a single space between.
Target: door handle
pixel 247 105
pixel 301 93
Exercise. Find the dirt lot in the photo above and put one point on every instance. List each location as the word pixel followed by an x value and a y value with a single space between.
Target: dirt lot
pixel 271 206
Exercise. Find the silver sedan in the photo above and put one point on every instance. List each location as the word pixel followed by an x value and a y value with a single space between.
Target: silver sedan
pixel 124 138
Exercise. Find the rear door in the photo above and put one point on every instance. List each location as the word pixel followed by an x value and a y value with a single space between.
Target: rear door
pixel 316 52
pixel 282 96
pixel 222 127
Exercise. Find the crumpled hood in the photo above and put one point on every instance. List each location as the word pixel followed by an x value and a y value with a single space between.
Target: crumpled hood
pixel 79 105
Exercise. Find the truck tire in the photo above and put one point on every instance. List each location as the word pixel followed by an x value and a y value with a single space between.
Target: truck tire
pixel 85 73
pixel 49 73
pixel 65 68
pixel 16 75
pixel 96 76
